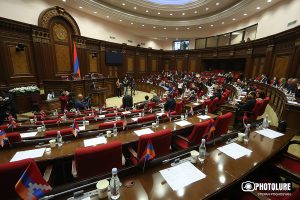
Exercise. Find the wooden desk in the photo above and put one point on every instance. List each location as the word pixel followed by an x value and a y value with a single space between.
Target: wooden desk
pixel 50 104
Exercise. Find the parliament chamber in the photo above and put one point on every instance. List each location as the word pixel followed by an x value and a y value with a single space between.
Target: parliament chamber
pixel 150 99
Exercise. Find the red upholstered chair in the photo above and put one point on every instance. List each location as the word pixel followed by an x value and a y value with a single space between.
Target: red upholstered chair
pixel 161 141
pixel 4 126
pixel 222 123
pixel 213 106
pixel 14 137
pixel 63 132
pixel 10 173
pixel 251 116
pixel 86 118
pixel 136 111
pixel 179 107
pixel 103 157
pixel 107 125
pixel 151 105
pixel 264 106
pixel 164 116
pixel 147 118
pixel 50 121
pixel 194 138
pixel 208 103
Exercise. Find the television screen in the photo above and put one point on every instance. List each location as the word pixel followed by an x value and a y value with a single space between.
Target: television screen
pixel 113 57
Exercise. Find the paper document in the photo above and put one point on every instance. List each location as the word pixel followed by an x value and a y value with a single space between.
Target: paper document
pixel 28 134
pixel 94 141
pixel 196 104
pixel 143 131
pixel 81 128
pixel 182 175
pixel 34 153
pixel 292 102
pixel 269 133
pixel 126 112
pixel 203 117
pixel 234 150
pixel 183 123
pixel 160 114
pixel 134 119
pixel 101 116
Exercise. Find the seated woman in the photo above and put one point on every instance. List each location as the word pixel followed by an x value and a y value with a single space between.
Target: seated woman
pixel 63 98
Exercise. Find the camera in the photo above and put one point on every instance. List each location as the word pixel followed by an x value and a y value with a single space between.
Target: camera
pixel 247 186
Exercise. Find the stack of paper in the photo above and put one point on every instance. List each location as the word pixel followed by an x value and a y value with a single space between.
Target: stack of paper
pixel 28 134
pixel 134 119
pixel 94 141
pixel 269 133
pixel 81 128
pixel 34 153
pixel 101 116
pixel 183 123
pixel 196 104
pixel 126 112
pixel 203 117
pixel 234 150
pixel 160 114
pixel 182 175
pixel 143 131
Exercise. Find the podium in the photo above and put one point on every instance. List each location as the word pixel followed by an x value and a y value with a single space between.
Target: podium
pixel 98 96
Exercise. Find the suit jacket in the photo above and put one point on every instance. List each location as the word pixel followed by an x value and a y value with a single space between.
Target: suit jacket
pixel 247 106
pixel 127 101
pixel 170 104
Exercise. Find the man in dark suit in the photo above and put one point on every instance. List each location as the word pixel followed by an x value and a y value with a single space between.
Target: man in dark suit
pixel 127 101
pixel 170 103
pixel 247 106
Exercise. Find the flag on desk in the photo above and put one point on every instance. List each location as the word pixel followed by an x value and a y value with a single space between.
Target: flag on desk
pixel 192 111
pixel 3 138
pixel 75 128
pixel 124 122
pixel 211 129
pixel 149 152
pixel 32 185
pixel 11 122
pixel 76 62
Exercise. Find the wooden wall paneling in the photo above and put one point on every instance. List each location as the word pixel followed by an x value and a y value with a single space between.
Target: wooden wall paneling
pixel 3 74
pixel 294 69
pixel 142 60
pixel 280 67
pixel 269 60
pixel 179 64
pixel 192 67
pixel 103 67
pixel 93 62
pixel 154 64
pixel 130 64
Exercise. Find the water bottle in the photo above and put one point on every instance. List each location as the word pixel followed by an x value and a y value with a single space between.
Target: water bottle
pixel 43 126
pixel 83 121
pixel 53 95
pixel 206 110
pixel 202 151
pixel 59 139
pixel 247 133
pixel 266 122
pixel 100 110
pixel 114 184
pixel 65 117
pixel 143 113
pixel 35 119
pixel 186 114
pixel 115 130
pixel 157 120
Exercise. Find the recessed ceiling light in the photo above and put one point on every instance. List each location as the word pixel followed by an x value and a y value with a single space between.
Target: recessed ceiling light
pixel 143 25
pixel 165 28
pixel 195 11
pixel 171 14
pixel 245 14
pixel 131 23
pixel 233 19
pixel 176 28
pixel 123 4
pixel 80 7
pixel 121 20
pixel 217 3
pixel 107 16
pixel 183 13
pixel 258 8
pixel 269 1
pixel 188 28
pixel 206 8
pixel 64 0
pixel 134 7
pixel 211 25
pixel 147 10
pixel 154 26
pixel 158 13
pixel 95 12
pixel 223 22
pixel 199 27
pixel 166 38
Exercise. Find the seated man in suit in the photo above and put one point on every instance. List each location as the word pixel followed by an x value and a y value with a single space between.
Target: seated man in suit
pixel 247 105
pixel 80 103
pixel 127 101
pixel 170 103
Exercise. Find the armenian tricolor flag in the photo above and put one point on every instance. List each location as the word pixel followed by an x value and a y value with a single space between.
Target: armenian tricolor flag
pixel 3 138
pixel 32 185
pixel 75 128
pixel 169 115
pixel 76 62
pixel 149 152
pixel 211 129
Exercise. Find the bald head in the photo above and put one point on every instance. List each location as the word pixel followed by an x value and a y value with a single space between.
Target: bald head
pixel 80 96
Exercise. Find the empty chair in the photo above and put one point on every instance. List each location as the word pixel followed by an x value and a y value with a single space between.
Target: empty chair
pixel 263 106
pixel 179 107
pixel 213 106
pixel 161 141
pixel 103 157
pixel 64 131
pixel 10 173
pixel 194 138
pixel 107 125
pixel 147 118
pixel 221 124
pixel 14 137
pixel 251 116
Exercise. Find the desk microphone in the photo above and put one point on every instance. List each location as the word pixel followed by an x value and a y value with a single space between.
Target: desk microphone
pixel 168 160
